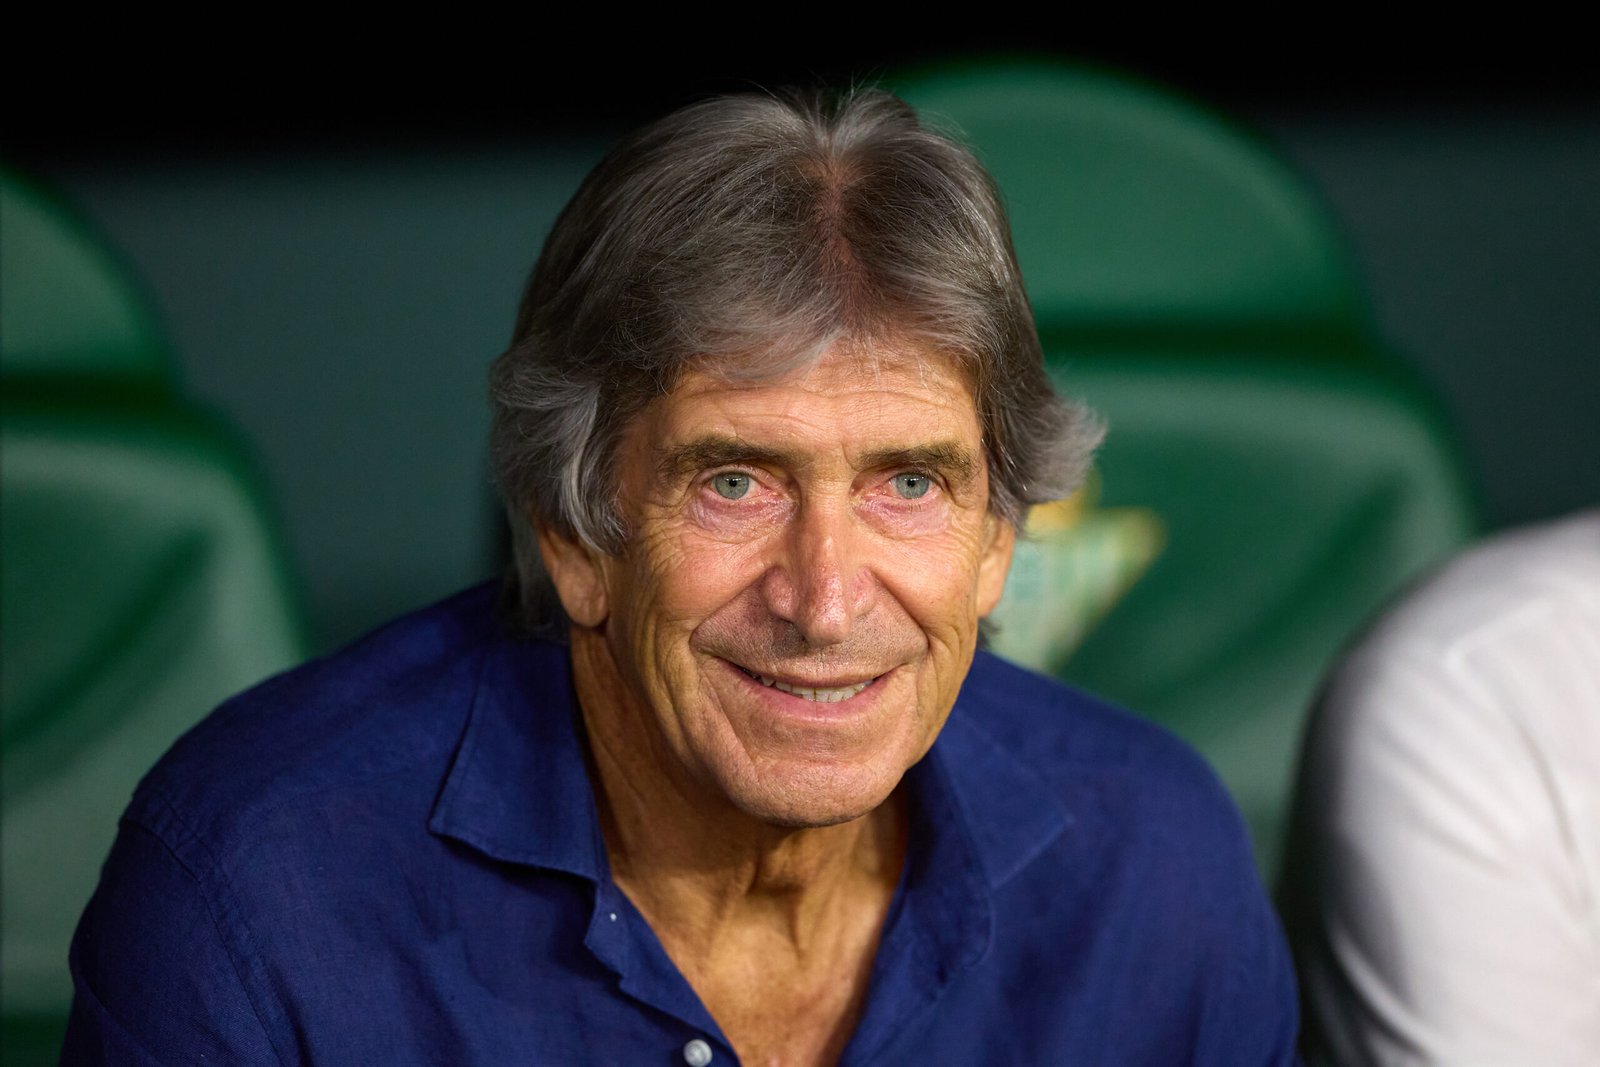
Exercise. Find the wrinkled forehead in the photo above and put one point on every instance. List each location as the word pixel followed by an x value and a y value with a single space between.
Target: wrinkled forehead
pixel 853 401
pixel 833 363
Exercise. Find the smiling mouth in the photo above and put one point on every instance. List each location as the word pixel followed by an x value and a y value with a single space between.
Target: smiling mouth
pixel 830 695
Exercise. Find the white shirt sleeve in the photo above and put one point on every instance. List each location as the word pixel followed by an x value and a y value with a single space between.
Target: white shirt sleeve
pixel 1452 791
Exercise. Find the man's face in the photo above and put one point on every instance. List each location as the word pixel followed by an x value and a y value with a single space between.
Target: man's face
pixel 807 562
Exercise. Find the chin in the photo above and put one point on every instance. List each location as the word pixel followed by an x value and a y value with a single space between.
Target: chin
pixel 811 797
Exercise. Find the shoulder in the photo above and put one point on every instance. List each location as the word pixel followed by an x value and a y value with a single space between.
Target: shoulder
pixel 1500 646
pixel 283 855
pixel 1144 865
pixel 1484 673
pixel 392 704
pixel 1071 738
pixel 1521 581
pixel 1140 807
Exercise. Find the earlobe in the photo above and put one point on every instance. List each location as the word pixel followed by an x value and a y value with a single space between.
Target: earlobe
pixel 575 570
pixel 995 564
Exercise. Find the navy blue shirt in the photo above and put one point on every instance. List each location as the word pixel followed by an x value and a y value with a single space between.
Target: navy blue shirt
pixel 392 856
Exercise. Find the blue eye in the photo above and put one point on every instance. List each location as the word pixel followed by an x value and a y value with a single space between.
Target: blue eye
pixel 910 486
pixel 731 486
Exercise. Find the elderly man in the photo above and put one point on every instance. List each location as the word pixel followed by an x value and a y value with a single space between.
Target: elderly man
pixel 726 779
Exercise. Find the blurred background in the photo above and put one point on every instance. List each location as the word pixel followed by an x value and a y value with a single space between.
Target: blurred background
pixel 335 235
pixel 332 234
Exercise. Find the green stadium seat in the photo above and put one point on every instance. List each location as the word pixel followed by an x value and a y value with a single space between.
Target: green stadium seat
pixel 1273 472
pixel 141 582
pixel 68 305
pixel 1141 219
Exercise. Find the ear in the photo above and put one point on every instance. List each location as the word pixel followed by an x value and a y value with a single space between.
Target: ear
pixel 1001 539
pixel 575 570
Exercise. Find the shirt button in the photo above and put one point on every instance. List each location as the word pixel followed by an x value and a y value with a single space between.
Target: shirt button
pixel 697 1053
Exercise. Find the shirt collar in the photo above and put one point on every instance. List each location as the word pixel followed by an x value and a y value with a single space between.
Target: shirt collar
pixel 518 789
pixel 1010 812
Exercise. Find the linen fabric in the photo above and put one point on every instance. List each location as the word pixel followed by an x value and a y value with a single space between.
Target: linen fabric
pixel 392 856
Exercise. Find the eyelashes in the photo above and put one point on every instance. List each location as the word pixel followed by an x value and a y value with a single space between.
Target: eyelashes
pixel 742 503
pixel 737 485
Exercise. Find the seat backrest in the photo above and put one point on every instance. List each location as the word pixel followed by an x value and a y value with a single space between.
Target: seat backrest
pixel 1271 474
pixel 1139 216
pixel 142 581
pixel 68 306
pixel 1288 507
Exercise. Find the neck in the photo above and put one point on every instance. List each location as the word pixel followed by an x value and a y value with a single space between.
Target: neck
pixel 700 869
pixel 774 927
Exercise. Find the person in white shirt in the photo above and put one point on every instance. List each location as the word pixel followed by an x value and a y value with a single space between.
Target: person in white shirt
pixel 1443 888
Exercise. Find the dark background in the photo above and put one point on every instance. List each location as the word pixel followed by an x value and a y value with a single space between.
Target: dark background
pixel 335 225
pixel 146 91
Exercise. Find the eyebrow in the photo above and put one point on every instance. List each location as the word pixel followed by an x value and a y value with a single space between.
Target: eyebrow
pixel 949 458
pixel 955 461
pixel 704 453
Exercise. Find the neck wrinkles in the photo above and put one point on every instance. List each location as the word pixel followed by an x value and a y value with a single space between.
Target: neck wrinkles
pixel 697 867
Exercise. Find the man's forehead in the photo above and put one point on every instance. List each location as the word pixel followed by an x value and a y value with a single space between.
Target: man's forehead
pixel 869 403
pixel 845 363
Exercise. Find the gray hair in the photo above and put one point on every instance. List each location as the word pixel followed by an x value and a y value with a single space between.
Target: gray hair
pixel 746 235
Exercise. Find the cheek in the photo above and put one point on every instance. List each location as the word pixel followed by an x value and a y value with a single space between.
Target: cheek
pixel 907 518
pixel 731 522
pixel 688 573
pixel 935 580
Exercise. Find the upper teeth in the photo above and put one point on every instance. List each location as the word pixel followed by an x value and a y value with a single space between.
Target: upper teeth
pixel 823 696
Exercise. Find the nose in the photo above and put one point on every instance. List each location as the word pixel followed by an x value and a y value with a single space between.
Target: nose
pixel 820 584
